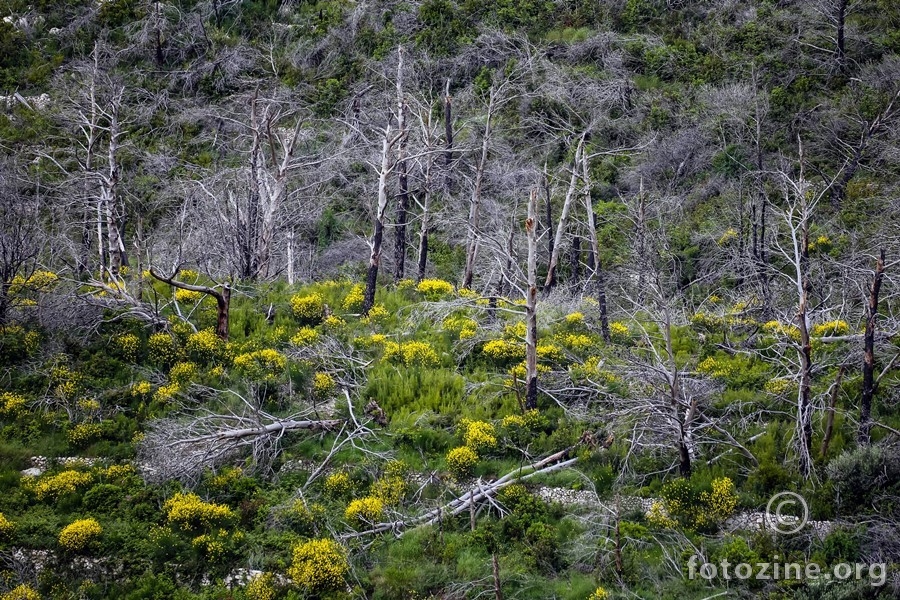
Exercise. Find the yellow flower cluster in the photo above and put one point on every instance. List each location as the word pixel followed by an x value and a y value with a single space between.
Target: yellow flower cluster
pixel 166 393
pixel 778 386
pixel 660 517
pixel 461 326
pixel 141 388
pixel 718 504
pixel 83 433
pixel 619 332
pixel 549 352
pixel 261 587
pixel 188 296
pixel 478 435
pixel 516 331
pixel 333 322
pixel 461 461
pixel 406 284
pixel 67 382
pixel 161 349
pixel 88 405
pixel 80 535
pixel 729 235
pixel 370 341
pixel 189 512
pixel 226 477
pixel 213 545
pixel 719 369
pixel 503 351
pixel 205 347
pixel 6 526
pixel 305 336
pixel 376 314
pixel 261 365
pixel 323 386
pixel 389 489
pixel 599 594
pixel 575 319
pixel 128 345
pixel 434 289
pixel 37 281
pixel 353 301
pixel 338 484
pixel 21 592
pixel 188 275
pixel 531 420
pixel 577 342
pixel 183 373
pixel 117 472
pixel 11 404
pixel 364 510
pixel 319 566
pixel 782 330
pixel 308 309
pixel 831 328
pixel 66 482
pixel 411 354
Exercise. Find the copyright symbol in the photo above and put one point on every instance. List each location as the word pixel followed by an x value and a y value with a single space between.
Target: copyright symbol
pixel 786 524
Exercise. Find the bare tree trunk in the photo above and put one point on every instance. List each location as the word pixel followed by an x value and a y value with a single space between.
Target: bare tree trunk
pixel 425 224
pixel 378 234
pixel 829 419
pixel 448 140
pixel 564 217
pixel 531 306
pixel 290 256
pixel 474 203
pixel 864 436
pixel 548 201
pixel 575 259
pixel 495 570
pixel 403 182
pixel 597 267
pixel 804 405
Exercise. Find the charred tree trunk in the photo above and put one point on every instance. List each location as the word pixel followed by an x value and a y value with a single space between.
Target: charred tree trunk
pixel 864 437
pixel 563 218
pixel 804 404
pixel 381 208
pixel 531 306
pixel 448 140
pixel 597 266
pixel 575 259
pixel 223 299
pixel 829 419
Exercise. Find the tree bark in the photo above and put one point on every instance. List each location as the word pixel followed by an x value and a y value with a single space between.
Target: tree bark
pixel 402 177
pixel 597 268
pixel 531 306
pixel 829 419
pixel 223 299
pixel 378 234
pixel 475 201
pixel 563 218
pixel 864 436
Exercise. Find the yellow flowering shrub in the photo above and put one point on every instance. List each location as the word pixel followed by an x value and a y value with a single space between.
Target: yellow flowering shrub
pixel 516 331
pixel 461 461
pixel 66 482
pixel 370 341
pixel 117 472
pixel 6 526
pixel 461 326
pixel 720 502
pixel 21 592
pixel 305 336
pixel 141 388
pixel 80 535
pixel 162 349
pixel 389 489
pixel 406 284
pixel 577 342
pixel 88 405
pixel 376 314
pixel 189 512
pixel 503 351
pixel 205 347
pixel 166 393
pixel 319 566
pixel 36 282
pixel 575 319
pixel 11 404
pixel 353 301
pixel 183 373
pixel 365 510
pixel 549 352
pixel 225 477
pixel 333 322
pixel 309 309
pixel 127 346
pixel 323 386
pixel 831 328
pixel 261 587
pixel 411 354
pixel 728 236
pixel 778 386
pixel 214 546
pixel 84 433
pixel 188 296
pixel 478 435
pixel 619 332
pixel 338 485
pixel 708 322
pixel 434 289
pixel 782 330
pixel 657 515
pixel 599 594
pixel 706 509
pixel 261 365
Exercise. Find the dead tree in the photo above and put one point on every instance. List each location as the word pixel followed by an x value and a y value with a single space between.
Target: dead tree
pixel 864 434
pixel 222 298
pixel 472 239
pixel 531 305
pixel 564 216
pixel 402 176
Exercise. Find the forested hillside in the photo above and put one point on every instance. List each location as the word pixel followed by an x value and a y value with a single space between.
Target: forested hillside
pixel 448 299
